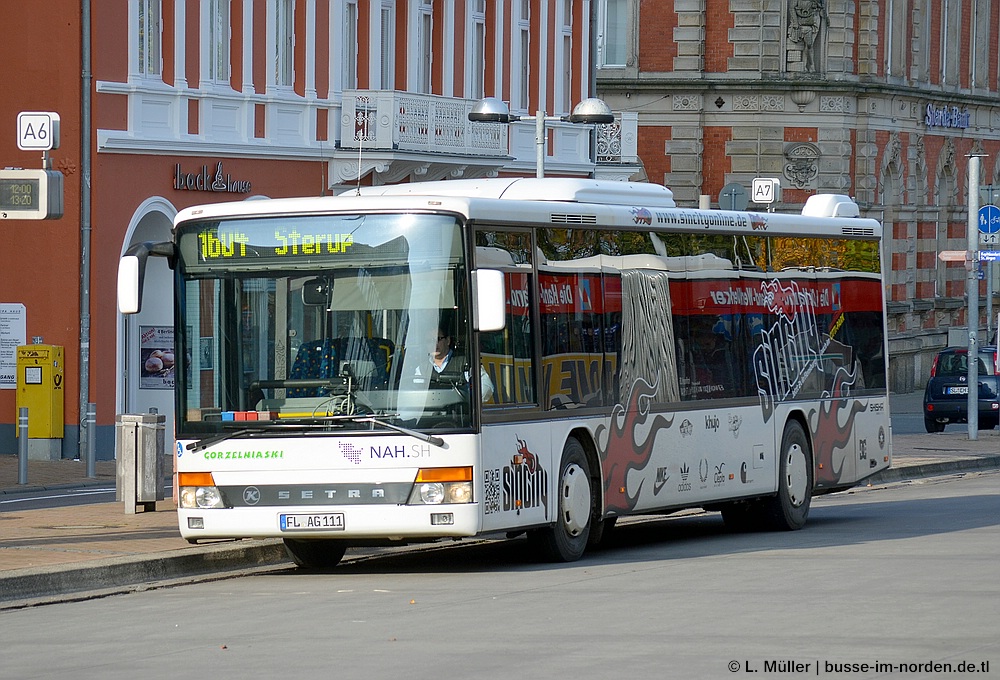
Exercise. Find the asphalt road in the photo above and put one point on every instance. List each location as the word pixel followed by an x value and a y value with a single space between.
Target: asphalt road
pixel 898 574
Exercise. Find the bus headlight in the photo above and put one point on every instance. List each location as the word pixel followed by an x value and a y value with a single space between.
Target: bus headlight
pixel 435 486
pixel 198 490
pixel 192 497
pixel 431 493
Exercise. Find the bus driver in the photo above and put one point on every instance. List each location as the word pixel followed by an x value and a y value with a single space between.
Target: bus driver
pixel 447 364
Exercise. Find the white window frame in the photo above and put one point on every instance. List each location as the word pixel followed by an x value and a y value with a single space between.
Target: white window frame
pixel 148 32
pixel 349 46
pixel 216 32
pixel 522 44
pixel 607 34
pixel 423 61
pixel 475 73
pixel 283 49
pixel 387 38
pixel 565 57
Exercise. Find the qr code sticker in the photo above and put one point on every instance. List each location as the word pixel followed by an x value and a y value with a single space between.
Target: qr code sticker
pixel 491 497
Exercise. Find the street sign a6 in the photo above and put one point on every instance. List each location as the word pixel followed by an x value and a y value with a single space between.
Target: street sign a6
pixel 37 131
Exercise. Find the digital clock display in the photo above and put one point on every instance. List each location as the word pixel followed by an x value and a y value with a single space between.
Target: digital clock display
pixel 19 194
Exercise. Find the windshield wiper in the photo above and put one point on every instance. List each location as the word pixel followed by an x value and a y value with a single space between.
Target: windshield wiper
pixel 422 436
pixel 310 423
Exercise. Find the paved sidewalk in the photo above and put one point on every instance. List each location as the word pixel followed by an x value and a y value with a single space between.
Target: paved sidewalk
pixel 51 553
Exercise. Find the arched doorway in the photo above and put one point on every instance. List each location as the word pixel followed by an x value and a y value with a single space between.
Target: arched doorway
pixel 145 340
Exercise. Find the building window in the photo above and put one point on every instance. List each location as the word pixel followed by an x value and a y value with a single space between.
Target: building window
pixel 566 33
pixel 387 32
pixel 350 55
pixel 477 65
pixel 612 33
pixel 284 36
pixel 149 38
pixel 425 46
pixel 218 41
pixel 980 43
pixel 524 54
pixel 895 34
pixel 951 27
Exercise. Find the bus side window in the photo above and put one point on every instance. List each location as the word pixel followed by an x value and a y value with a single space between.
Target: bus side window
pixel 506 355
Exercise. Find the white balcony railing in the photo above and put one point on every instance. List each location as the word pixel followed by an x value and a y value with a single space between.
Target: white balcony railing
pixel 404 121
pixel 386 121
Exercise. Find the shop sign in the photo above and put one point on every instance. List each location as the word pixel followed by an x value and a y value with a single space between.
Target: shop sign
pixel 204 181
pixel 947 117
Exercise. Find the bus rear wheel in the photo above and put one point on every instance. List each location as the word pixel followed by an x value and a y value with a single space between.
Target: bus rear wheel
pixel 315 554
pixel 567 539
pixel 789 509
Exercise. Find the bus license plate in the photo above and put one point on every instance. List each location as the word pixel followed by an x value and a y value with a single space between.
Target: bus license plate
pixel 300 521
pixel 964 389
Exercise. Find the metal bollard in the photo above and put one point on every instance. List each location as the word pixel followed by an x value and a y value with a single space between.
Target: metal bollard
pixel 91 440
pixel 22 445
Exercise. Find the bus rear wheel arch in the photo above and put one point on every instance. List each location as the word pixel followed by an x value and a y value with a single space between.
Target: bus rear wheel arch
pixel 788 509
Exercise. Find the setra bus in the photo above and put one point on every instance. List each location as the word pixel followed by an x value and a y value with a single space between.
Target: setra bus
pixel 610 353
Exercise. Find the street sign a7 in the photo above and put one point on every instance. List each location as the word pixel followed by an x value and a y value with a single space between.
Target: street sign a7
pixel 766 190
pixel 37 131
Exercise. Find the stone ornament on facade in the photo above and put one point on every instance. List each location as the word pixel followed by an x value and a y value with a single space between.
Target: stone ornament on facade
pixel 805 21
pixel 893 148
pixel 834 105
pixel 802 166
pixel 772 102
pixel 687 102
pixel 802 98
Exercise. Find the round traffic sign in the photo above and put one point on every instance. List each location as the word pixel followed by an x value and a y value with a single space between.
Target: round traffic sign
pixel 733 197
pixel 989 219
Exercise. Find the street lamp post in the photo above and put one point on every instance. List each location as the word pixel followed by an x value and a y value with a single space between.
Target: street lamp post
pixel 590 111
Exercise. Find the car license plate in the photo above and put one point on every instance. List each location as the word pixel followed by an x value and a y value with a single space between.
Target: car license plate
pixel 964 389
pixel 322 521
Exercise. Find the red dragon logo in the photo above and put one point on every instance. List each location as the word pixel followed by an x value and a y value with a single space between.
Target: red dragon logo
pixel 524 456
pixel 622 452
pixel 829 433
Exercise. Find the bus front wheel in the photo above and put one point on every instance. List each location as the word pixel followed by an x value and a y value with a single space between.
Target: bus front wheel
pixel 315 554
pixel 567 539
pixel 789 509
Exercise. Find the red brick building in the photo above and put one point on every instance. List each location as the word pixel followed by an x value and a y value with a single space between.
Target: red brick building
pixel 879 99
pixel 191 101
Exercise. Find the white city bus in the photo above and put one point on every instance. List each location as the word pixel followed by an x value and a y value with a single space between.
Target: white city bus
pixel 612 354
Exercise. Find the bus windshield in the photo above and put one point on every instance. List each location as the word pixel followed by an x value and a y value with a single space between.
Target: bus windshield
pixel 323 321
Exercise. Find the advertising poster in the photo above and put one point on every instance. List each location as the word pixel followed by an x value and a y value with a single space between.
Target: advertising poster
pixel 156 357
pixel 12 335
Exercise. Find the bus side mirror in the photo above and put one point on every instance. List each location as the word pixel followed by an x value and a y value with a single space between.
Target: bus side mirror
pixel 132 271
pixel 129 285
pixel 489 313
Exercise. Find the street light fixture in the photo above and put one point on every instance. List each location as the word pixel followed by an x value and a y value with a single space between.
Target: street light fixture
pixel 591 111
